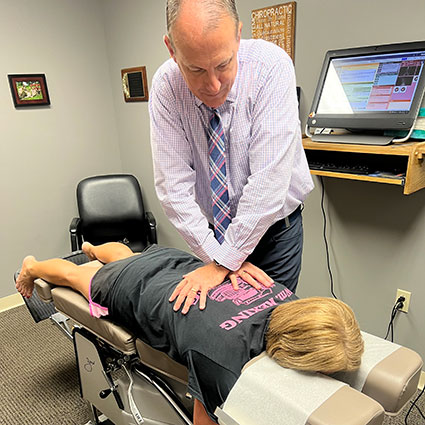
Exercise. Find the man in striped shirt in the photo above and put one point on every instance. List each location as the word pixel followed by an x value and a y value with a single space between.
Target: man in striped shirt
pixel 251 85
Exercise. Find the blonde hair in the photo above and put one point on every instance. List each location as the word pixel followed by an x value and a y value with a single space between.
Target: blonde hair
pixel 315 334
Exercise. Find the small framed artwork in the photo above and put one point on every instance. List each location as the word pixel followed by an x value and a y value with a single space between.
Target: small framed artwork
pixel 134 84
pixel 29 89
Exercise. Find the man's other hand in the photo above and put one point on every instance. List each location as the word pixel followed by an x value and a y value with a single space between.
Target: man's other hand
pixel 252 275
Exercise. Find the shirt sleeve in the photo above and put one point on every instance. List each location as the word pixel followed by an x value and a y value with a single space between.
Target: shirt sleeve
pixel 274 153
pixel 174 172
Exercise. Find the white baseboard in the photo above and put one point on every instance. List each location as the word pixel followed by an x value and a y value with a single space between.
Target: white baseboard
pixel 11 301
pixel 421 381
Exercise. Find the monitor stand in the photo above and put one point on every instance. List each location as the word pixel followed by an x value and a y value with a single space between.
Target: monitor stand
pixel 354 139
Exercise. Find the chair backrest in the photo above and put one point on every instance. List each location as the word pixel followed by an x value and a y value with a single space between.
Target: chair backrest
pixel 111 209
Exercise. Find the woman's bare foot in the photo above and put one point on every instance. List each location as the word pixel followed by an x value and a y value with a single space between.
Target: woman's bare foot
pixel 25 281
pixel 87 248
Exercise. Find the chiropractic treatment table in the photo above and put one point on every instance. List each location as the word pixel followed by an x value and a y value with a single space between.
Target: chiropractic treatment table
pixel 128 382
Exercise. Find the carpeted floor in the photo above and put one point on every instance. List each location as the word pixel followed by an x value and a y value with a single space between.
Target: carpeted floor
pixel 38 377
pixel 39 382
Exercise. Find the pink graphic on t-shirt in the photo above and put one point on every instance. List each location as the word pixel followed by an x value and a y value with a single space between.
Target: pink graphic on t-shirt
pixel 238 317
pixel 246 294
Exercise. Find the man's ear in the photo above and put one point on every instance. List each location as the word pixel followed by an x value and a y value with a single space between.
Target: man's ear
pixel 170 48
pixel 239 31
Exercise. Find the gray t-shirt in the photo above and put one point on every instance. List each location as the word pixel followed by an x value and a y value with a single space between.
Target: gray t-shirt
pixel 214 343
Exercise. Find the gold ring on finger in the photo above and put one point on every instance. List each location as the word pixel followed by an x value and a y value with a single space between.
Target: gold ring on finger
pixel 193 289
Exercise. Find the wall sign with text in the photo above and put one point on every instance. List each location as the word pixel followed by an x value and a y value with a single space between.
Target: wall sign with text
pixel 276 24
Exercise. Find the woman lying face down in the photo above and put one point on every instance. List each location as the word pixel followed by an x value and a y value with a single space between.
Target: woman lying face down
pixel 313 334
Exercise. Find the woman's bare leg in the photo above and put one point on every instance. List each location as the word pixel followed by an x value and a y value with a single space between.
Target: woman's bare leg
pixel 200 415
pixel 107 252
pixel 64 273
pixel 56 271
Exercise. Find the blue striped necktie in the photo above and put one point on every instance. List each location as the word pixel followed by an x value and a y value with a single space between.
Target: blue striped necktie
pixel 217 165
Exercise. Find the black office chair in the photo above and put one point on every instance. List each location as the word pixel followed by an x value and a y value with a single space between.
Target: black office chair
pixel 111 209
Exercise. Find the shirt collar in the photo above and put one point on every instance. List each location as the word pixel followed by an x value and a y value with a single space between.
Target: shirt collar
pixel 231 97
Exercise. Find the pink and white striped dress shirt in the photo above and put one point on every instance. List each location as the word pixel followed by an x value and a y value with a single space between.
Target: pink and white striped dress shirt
pixel 268 174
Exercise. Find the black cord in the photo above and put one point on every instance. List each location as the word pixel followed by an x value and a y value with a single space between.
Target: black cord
pixel 396 308
pixel 414 405
pixel 417 407
pixel 390 325
pixel 325 239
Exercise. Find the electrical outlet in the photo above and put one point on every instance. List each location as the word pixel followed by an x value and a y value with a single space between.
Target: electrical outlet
pixel 406 302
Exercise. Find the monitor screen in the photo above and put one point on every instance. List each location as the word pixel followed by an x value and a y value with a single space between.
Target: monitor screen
pixel 370 88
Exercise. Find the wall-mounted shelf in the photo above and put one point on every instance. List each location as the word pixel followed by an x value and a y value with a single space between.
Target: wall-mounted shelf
pixel 398 164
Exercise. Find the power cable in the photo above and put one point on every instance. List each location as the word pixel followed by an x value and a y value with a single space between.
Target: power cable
pixel 325 238
pixel 415 405
pixel 396 308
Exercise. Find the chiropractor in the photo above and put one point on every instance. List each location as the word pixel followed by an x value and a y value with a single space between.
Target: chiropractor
pixel 230 170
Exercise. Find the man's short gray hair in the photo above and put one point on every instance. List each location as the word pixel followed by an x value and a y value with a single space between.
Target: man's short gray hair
pixel 214 8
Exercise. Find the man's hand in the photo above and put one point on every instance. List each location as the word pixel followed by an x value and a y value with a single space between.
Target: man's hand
pixel 250 274
pixel 200 281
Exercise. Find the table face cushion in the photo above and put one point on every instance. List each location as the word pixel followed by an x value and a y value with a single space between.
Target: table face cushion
pixel 295 397
pixel 394 380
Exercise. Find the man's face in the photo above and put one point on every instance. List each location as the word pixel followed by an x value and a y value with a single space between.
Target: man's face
pixel 207 60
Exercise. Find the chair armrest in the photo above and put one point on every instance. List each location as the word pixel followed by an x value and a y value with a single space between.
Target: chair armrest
pixel 151 227
pixel 74 230
pixel 74 226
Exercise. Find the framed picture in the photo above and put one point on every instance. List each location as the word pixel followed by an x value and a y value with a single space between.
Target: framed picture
pixel 29 90
pixel 134 84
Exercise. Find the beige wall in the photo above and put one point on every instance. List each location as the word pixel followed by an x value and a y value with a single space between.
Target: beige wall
pixel 376 235
pixel 134 31
pixel 45 151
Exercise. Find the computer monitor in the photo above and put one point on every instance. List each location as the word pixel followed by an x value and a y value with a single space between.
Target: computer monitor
pixel 372 88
